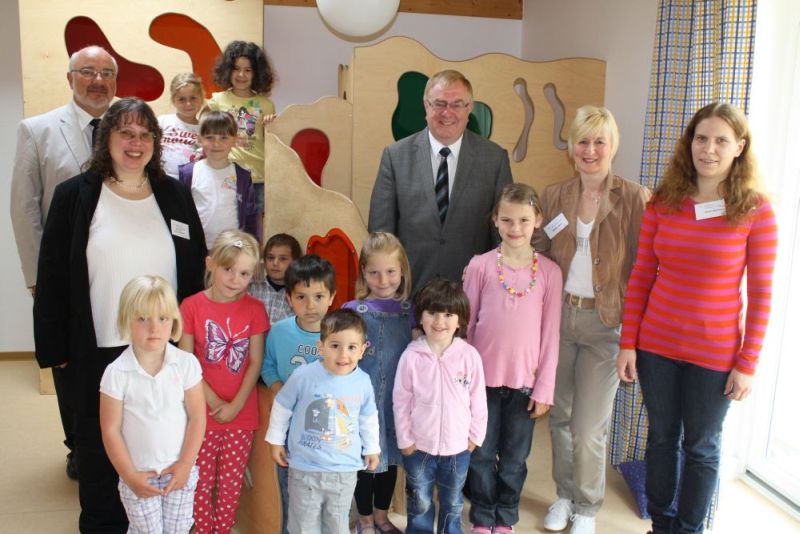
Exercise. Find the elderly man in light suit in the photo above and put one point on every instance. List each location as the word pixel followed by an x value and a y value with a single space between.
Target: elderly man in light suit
pixel 51 148
pixel 436 189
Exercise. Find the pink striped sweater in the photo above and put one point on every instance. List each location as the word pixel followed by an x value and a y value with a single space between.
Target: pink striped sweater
pixel 684 298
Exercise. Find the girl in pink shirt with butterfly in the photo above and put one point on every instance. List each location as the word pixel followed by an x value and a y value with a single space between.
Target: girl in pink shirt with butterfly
pixel 225 328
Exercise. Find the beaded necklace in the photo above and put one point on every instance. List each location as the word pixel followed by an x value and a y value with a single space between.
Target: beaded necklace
pixel 502 279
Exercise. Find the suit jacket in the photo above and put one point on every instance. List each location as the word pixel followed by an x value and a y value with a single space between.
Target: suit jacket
pixel 403 203
pixel 63 327
pixel 50 149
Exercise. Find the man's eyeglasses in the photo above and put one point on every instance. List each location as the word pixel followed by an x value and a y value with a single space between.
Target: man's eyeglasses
pixel 90 74
pixel 130 135
pixel 441 105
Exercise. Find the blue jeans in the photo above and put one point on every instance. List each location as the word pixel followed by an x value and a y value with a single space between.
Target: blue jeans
pixel 498 470
pixel 448 473
pixel 681 398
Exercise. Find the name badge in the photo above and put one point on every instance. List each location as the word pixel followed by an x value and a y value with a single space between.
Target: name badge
pixel 179 229
pixel 556 225
pixel 709 210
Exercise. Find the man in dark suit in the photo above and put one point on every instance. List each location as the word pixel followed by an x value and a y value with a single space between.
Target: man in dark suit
pixel 436 189
pixel 51 148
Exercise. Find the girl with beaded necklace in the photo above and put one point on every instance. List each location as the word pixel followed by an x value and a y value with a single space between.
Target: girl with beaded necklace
pixel 515 296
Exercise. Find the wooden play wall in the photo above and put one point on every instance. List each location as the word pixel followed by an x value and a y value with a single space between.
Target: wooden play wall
pixel 152 39
pixel 532 105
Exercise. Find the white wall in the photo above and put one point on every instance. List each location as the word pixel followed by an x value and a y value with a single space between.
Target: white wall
pixel 620 32
pixel 16 330
pixel 306 54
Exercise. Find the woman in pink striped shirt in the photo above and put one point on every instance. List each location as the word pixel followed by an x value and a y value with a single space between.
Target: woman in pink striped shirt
pixel 682 331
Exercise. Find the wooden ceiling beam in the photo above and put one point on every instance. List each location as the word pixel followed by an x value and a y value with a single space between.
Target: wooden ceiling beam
pixel 496 9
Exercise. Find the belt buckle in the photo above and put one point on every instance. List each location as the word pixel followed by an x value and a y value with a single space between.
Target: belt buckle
pixel 575 300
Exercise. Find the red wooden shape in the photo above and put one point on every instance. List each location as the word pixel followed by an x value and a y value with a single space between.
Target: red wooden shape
pixel 185 33
pixel 337 248
pixel 313 147
pixel 134 79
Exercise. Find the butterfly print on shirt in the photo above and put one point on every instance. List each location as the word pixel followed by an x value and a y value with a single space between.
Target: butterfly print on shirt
pixel 220 345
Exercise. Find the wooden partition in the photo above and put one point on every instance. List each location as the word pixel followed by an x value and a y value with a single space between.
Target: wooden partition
pixel 134 31
pixel 374 73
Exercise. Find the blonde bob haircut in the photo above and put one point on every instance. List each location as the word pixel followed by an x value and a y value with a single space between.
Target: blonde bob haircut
pixel 593 120
pixel 148 296
pixel 227 247
pixel 384 243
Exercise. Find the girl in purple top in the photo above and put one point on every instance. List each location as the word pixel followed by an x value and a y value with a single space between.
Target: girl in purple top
pixel 382 290
pixel 515 296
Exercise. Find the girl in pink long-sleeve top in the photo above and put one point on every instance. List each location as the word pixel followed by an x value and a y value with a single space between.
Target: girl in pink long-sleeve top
pixel 515 296
pixel 439 408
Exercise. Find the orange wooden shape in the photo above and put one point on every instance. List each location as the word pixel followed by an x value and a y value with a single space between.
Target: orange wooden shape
pixel 337 248
pixel 185 33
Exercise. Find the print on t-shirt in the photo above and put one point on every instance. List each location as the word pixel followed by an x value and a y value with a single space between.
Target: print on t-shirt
pixel 327 423
pixel 305 354
pixel 232 347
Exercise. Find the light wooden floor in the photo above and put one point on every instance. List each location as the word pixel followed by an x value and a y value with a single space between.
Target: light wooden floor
pixel 36 496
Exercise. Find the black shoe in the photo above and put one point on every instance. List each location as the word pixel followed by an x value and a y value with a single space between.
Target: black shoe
pixel 72 466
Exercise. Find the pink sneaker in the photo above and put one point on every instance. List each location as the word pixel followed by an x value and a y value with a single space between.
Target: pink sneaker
pixel 500 529
pixel 480 529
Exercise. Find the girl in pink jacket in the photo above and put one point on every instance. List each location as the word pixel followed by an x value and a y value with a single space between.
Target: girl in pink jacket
pixel 439 408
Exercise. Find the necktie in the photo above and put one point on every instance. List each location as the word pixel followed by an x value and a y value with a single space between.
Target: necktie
pixel 441 186
pixel 93 123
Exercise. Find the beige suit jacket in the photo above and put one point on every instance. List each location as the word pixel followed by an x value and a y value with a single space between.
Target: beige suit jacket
pixel 50 149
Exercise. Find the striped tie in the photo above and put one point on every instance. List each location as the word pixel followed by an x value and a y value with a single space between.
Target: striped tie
pixel 441 187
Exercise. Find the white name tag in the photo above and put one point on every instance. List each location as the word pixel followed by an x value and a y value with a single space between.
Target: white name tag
pixel 556 225
pixel 179 229
pixel 709 210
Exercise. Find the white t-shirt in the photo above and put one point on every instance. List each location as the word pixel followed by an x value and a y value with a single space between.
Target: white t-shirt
pixel 127 238
pixel 579 278
pixel 179 143
pixel 214 193
pixel 153 408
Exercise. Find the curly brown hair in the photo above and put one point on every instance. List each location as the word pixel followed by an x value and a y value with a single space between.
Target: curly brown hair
pixel 122 112
pixel 263 75
pixel 741 190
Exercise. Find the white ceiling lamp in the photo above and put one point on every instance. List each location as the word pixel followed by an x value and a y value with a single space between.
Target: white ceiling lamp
pixel 357 18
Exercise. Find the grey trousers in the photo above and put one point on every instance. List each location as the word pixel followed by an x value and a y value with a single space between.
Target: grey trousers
pixel 319 502
pixel 586 383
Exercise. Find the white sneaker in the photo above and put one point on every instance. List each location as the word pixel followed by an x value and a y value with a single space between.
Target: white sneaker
pixel 558 515
pixel 582 524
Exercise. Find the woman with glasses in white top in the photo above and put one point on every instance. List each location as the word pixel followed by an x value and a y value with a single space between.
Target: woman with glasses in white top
pixel 120 219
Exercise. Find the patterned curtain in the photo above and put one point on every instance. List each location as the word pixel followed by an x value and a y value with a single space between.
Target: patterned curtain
pixel 703 52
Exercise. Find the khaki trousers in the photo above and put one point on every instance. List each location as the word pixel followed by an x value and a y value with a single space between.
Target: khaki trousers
pixel 586 383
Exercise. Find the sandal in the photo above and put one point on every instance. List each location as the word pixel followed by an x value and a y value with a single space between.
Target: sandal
pixel 387 528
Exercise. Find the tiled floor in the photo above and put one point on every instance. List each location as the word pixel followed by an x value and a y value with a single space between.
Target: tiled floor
pixel 36 496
